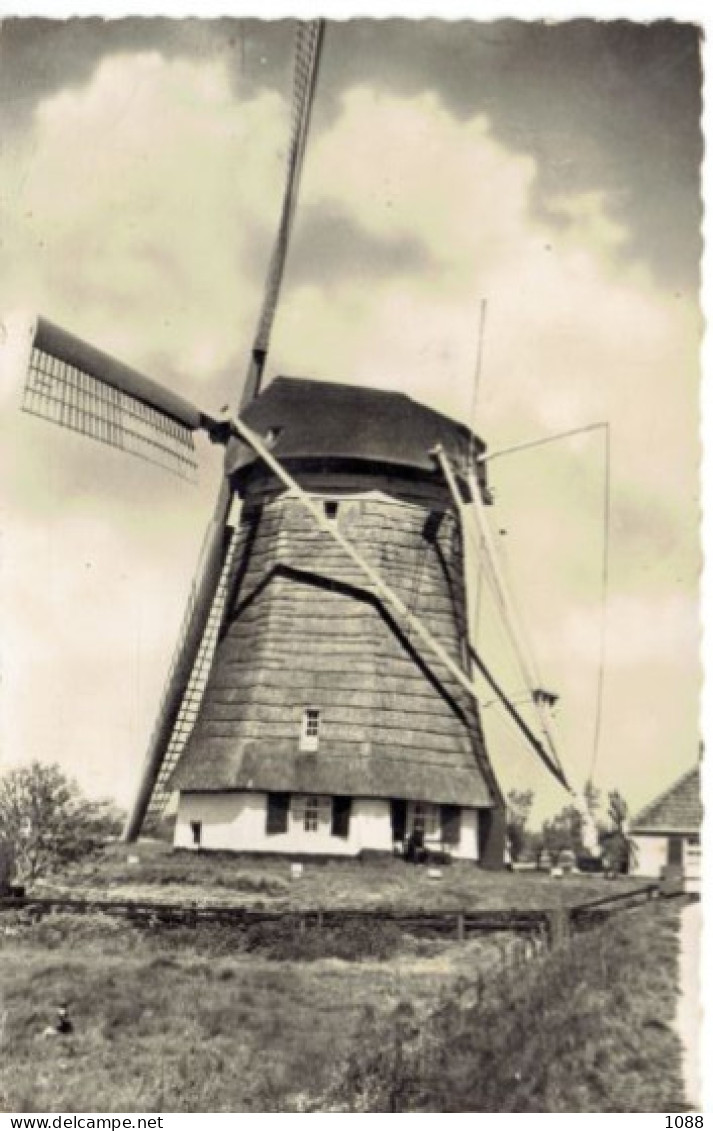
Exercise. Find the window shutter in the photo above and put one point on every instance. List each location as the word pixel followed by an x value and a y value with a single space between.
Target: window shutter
pixel 341 812
pixel 278 808
pixel 398 820
pixel 675 851
pixel 450 823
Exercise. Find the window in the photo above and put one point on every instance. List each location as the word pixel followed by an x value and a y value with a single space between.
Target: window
pixel 196 831
pixel 311 723
pixel 271 437
pixel 331 509
pixel 450 824
pixel 311 813
pixel 425 818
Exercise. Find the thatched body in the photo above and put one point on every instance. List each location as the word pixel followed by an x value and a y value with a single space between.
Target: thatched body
pixel 304 631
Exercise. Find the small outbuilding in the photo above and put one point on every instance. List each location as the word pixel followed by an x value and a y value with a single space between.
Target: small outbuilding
pixel 666 834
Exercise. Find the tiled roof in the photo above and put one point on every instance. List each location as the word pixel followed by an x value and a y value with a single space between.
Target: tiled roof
pixel 678 809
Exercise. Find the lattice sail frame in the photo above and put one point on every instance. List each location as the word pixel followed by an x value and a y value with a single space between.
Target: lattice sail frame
pixel 80 389
pixel 307 53
pixel 196 685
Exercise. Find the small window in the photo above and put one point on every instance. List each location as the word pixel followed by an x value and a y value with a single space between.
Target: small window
pixel 331 509
pixel 311 724
pixel 271 437
pixel 311 815
pixel 450 824
pixel 196 831
pixel 425 818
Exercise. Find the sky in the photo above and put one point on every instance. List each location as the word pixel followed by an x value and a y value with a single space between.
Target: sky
pixel 551 170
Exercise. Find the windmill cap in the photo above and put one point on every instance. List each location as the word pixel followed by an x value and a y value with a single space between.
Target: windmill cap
pixel 319 420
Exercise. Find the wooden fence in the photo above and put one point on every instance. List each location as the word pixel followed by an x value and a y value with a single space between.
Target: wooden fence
pixel 550 924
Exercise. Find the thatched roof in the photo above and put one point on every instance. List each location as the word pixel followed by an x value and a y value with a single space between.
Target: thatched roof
pixel 305 632
pixel 319 420
pixel 225 764
pixel 678 810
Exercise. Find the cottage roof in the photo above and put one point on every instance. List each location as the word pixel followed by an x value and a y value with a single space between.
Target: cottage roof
pixel 220 764
pixel 678 809
pixel 323 420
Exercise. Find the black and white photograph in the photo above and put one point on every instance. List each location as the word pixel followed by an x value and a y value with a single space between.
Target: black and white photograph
pixel 350 565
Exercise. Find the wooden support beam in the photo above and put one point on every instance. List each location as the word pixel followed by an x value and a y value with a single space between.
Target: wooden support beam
pixel 517 718
pixel 551 761
pixel 512 711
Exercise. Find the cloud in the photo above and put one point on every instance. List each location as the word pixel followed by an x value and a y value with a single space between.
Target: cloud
pixel 572 336
pixel 138 211
pixel 130 204
pixel 331 244
pixel 643 632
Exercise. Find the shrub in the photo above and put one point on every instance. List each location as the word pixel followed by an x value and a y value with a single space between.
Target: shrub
pixel 583 1029
pixel 46 822
pixel 288 939
pixel 292 939
pixel 60 929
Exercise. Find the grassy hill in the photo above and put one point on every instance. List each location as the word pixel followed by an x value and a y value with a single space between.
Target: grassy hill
pixel 152 870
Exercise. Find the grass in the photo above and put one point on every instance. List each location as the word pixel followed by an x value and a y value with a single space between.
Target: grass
pixel 587 1029
pixel 222 878
pixel 170 1023
pixel 348 1018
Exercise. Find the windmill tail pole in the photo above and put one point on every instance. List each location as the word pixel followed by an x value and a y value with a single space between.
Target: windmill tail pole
pixel 589 831
pixel 198 612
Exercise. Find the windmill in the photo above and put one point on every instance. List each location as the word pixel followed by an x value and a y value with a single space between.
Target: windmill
pixel 322 694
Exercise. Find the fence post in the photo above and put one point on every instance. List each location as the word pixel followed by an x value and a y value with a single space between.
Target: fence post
pixel 460 927
pixel 558 923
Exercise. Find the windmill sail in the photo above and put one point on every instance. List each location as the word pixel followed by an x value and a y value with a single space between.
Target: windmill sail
pixel 191 695
pixel 194 653
pixel 308 45
pixel 190 666
pixel 81 388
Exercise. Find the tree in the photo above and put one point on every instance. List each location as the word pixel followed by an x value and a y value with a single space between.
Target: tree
pixel 7 867
pixel 519 804
pixel 618 812
pixel 619 848
pixel 46 822
pixel 593 798
pixel 564 830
